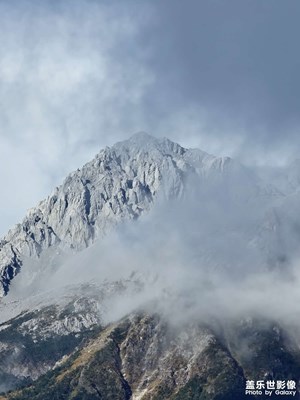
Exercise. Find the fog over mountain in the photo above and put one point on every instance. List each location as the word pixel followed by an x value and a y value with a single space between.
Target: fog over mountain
pixel 155 249
pixel 193 227
pixel 166 265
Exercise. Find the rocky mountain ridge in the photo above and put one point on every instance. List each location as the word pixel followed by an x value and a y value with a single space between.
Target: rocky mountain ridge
pixel 120 183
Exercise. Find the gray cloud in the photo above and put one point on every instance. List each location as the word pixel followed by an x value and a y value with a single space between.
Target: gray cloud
pixel 234 67
pixel 78 75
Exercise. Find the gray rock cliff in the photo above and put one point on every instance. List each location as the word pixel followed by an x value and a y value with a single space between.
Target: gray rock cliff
pixel 120 183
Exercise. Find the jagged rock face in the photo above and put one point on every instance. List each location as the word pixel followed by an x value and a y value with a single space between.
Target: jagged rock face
pixel 120 183
pixel 144 357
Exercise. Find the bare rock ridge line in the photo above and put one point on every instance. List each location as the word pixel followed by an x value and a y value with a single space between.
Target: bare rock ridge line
pixel 121 182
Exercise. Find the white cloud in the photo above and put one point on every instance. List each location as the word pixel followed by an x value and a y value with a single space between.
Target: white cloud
pixel 208 255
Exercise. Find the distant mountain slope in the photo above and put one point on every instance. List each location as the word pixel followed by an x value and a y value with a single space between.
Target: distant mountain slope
pixel 143 357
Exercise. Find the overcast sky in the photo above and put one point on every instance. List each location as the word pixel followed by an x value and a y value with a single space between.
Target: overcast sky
pixel 81 74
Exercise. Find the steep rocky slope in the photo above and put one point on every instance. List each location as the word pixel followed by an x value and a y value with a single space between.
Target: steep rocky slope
pixel 120 183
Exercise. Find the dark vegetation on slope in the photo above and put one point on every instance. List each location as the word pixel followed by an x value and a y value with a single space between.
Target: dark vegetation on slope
pixel 142 354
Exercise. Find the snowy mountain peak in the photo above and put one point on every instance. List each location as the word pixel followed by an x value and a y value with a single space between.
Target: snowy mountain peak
pixel 121 183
